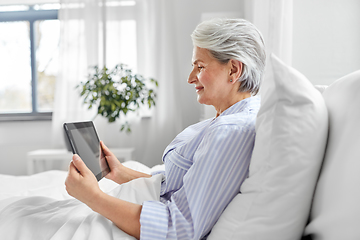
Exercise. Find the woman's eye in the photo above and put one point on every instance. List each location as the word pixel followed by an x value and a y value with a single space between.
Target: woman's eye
pixel 200 67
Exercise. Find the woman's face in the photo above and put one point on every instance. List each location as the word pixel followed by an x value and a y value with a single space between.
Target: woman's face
pixel 210 77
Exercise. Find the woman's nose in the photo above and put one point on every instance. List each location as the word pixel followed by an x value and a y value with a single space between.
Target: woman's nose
pixel 192 77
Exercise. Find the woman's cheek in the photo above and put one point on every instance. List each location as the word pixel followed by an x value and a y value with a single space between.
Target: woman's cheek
pixel 203 77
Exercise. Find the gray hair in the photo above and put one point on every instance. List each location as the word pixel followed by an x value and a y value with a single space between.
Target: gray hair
pixel 235 39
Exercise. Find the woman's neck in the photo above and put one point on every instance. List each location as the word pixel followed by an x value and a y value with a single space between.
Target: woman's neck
pixel 225 105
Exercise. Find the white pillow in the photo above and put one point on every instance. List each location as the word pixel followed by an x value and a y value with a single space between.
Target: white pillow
pixel 291 132
pixel 336 209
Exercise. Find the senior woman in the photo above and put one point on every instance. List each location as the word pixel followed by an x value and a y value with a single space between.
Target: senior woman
pixel 205 164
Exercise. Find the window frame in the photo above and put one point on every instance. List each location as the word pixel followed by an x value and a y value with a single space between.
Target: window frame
pixel 31 15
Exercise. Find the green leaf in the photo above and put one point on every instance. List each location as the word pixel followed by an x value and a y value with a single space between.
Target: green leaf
pixel 116 91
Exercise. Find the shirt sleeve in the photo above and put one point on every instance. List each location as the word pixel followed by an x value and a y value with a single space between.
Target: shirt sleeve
pixel 220 165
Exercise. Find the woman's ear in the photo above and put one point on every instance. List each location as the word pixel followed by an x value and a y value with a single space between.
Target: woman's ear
pixel 235 70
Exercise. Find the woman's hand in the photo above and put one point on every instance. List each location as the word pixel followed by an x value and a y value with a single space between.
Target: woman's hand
pixel 118 172
pixel 81 183
pixel 116 168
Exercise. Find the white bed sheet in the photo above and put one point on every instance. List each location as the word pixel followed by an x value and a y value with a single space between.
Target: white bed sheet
pixel 28 202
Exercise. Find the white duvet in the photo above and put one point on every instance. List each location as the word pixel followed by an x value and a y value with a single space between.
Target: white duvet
pixel 38 206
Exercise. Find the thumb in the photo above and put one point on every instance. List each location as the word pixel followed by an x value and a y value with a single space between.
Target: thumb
pixel 80 165
pixel 106 149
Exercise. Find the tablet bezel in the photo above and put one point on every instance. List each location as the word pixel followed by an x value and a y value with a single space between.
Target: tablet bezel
pixel 78 125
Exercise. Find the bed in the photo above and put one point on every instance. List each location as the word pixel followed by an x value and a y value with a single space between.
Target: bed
pixel 303 177
pixel 23 197
pixel 51 183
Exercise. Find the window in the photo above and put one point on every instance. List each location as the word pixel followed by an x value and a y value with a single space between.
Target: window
pixel 29 46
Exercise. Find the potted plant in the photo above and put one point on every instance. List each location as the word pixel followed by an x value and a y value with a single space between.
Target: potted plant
pixel 117 91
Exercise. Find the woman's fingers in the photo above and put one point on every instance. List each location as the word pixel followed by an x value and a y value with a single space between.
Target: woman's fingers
pixel 106 149
pixel 79 165
pixel 116 168
pixel 72 169
pixel 81 182
pixel 110 157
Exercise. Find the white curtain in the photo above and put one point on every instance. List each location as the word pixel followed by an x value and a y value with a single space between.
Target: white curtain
pixel 79 49
pixel 82 46
pixel 274 18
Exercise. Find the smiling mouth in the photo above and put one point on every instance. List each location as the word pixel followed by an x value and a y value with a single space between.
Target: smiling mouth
pixel 198 89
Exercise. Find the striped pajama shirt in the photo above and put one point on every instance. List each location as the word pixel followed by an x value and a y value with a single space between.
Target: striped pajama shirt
pixel 205 166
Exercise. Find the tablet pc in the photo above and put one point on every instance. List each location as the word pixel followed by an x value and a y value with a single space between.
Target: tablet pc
pixel 85 142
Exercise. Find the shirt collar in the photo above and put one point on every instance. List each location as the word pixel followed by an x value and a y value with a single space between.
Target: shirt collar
pixel 241 105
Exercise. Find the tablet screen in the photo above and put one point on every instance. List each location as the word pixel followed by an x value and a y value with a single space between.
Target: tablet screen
pixel 84 141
